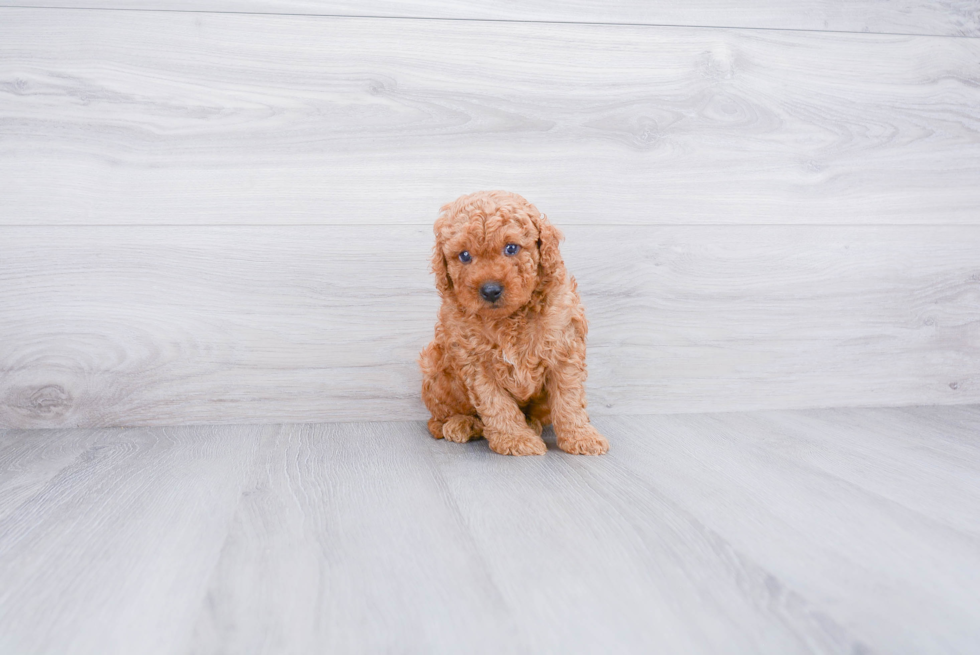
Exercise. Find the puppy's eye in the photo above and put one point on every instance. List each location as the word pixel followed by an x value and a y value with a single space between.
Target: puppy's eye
pixel 511 249
pixel 465 257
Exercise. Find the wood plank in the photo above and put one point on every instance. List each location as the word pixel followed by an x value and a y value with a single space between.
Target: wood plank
pixel 346 541
pixel 124 326
pixel 29 460
pixel 873 449
pixel 114 553
pixel 112 117
pixel 884 573
pixel 594 561
pixel 945 17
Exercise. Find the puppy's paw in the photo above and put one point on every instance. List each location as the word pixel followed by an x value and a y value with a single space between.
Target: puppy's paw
pixel 583 441
pixel 522 443
pixel 535 425
pixel 435 428
pixel 461 428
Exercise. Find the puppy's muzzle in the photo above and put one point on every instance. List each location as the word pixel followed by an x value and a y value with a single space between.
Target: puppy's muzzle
pixel 491 291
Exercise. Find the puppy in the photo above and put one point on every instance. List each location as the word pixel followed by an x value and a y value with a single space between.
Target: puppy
pixel 509 351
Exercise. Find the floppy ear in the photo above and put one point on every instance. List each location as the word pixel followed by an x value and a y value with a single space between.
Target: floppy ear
pixel 551 268
pixel 444 283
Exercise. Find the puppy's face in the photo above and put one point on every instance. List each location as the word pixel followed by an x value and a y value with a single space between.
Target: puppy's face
pixel 491 261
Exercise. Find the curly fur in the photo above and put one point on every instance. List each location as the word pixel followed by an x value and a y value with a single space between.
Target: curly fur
pixel 505 369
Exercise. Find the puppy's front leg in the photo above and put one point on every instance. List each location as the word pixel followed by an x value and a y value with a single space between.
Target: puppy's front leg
pixel 504 424
pixel 566 398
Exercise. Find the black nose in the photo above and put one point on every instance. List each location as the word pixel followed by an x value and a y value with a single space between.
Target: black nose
pixel 491 291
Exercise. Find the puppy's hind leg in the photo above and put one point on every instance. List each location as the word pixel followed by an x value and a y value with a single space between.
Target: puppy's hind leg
pixel 453 416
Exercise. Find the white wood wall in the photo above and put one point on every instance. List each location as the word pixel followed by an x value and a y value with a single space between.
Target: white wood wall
pixel 226 217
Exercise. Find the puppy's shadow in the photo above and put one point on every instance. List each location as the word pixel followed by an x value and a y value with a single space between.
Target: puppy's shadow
pixel 479 447
pixel 548 434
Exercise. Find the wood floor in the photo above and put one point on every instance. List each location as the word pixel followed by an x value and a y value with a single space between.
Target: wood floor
pixel 843 530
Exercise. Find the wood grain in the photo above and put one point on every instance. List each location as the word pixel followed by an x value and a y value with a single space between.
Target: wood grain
pixel 111 117
pixel 594 559
pixel 346 541
pixel 846 449
pixel 820 531
pixel 801 494
pixel 943 17
pixel 112 554
pixel 160 325
pixel 28 464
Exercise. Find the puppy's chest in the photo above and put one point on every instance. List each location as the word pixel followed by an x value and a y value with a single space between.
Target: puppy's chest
pixel 519 369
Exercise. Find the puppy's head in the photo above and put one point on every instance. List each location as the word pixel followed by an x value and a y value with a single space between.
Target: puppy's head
pixel 494 253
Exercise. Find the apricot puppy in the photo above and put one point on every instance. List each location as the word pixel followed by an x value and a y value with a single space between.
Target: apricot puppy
pixel 509 351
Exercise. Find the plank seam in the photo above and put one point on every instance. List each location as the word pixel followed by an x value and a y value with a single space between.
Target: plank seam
pixel 491 20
